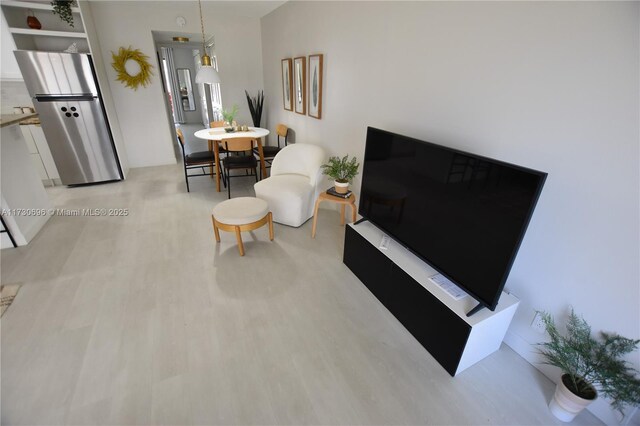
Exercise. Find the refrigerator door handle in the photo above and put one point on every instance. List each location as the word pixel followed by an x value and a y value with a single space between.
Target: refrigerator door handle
pixel 64 98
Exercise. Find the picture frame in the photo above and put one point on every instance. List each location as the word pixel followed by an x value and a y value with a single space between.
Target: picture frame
pixel 315 85
pixel 287 84
pixel 300 85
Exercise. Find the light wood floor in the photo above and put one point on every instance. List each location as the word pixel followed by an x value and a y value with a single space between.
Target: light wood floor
pixel 145 320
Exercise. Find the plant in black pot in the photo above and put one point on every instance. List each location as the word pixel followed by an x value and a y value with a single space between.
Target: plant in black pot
pixel 255 106
pixel 589 366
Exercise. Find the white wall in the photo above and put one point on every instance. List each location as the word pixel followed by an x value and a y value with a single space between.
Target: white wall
pixel 143 120
pixel 552 86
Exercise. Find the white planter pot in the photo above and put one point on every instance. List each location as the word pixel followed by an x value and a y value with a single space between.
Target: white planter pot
pixel 566 405
pixel 341 188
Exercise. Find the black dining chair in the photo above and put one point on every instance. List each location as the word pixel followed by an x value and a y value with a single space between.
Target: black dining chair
pixel 197 160
pixel 240 157
pixel 270 151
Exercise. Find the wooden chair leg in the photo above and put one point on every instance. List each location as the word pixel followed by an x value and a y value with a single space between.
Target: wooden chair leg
pixel 239 238
pixel 315 219
pixel 353 212
pixel 342 209
pixel 216 232
pixel 270 226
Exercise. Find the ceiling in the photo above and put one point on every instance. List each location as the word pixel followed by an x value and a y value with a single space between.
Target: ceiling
pixel 250 9
pixel 253 9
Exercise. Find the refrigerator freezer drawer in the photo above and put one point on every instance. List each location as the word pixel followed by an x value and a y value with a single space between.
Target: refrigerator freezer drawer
pixel 79 140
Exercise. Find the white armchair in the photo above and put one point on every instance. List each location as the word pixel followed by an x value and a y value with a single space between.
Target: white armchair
pixel 292 188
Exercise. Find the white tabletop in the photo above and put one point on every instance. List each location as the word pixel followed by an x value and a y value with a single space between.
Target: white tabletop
pixel 218 133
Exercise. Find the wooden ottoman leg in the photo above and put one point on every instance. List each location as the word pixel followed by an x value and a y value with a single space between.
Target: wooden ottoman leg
pixel 270 226
pixel 239 238
pixel 215 229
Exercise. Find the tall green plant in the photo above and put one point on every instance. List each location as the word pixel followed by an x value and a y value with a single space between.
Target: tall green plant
pixel 62 8
pixel 592 362
pixel 255 107
pixel 341 169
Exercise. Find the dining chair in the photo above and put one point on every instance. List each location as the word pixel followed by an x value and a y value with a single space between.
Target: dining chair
pixel 240 157
pixel 196 160
pixel 270 151
pixel 213 125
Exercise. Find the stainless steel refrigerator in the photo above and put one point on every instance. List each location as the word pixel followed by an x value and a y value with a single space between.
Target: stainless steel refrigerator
pixel 67 98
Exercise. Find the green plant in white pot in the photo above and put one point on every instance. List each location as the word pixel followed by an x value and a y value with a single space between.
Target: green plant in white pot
pixel 342 171
pixel 589 366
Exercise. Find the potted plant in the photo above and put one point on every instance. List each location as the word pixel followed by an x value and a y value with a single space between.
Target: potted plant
pixel 229 117
pixel 62 8
pixel 342 171
pixel 255 107
pixel 589 366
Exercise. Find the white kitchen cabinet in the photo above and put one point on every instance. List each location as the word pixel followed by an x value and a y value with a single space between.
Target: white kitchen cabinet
pixel 9 70
pixel 28 138
pixel 40 153
pixel 55 34
pixel 44 151
pixel 37 164
pixel 21 186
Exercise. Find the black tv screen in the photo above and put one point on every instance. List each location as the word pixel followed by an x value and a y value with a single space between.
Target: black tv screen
pixel 462 213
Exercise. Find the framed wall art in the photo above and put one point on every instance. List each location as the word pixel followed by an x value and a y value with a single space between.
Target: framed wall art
pixel 287 86
pixel 300 84
pixel 315 86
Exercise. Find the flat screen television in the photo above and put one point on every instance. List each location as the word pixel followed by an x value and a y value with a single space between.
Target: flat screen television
pixel 463 214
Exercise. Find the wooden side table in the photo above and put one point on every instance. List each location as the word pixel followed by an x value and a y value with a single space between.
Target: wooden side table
pixel 351 200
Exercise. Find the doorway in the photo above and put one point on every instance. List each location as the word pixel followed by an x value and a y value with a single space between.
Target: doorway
pixel 186 101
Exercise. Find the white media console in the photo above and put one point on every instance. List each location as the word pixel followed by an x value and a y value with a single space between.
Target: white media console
pixel 400 280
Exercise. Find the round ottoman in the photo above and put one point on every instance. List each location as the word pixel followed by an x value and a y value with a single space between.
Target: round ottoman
pixel 241 214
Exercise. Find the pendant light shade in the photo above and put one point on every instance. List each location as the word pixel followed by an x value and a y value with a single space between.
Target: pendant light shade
pixel 207 73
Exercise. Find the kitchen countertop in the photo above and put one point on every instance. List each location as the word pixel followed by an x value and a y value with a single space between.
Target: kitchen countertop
pixel 9 119
pixel 29 121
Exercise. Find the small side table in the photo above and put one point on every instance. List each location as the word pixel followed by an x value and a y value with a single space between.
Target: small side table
pixel 351 200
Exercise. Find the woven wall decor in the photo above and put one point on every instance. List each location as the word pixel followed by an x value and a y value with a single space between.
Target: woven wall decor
pixel 143 78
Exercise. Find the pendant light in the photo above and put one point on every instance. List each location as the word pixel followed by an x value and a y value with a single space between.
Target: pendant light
pixel 207 73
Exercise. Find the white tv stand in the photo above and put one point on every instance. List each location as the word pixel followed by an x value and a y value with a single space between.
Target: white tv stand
pixel 400 280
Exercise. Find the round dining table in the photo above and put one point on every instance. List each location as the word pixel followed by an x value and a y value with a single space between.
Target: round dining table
pixel 216 135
